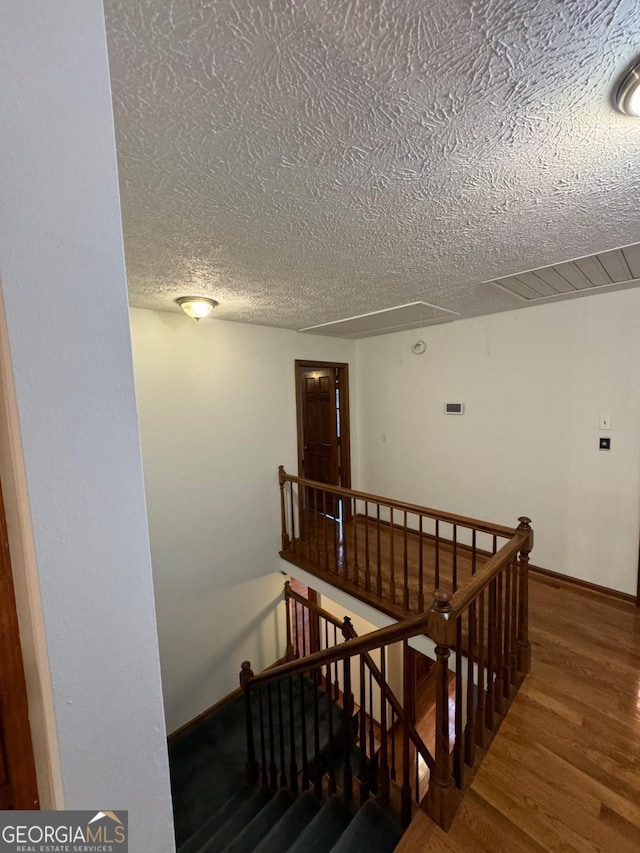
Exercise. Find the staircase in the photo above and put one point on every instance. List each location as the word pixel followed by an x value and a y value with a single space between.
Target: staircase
pixel 270 818
pixel 258 820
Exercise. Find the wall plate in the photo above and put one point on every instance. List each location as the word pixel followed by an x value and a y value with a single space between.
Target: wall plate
pixel 419 347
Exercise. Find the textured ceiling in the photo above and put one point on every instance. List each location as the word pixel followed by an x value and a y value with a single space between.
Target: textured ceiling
pixel 303 161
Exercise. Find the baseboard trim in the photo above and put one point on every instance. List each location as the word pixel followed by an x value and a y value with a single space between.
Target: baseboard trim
pixel 211 710
pixel 584 585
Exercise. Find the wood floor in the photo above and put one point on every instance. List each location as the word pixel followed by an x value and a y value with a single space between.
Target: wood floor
pixel 563 773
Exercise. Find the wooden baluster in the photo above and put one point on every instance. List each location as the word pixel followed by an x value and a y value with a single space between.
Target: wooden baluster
pixel 469 732
pixel 454 557
pixel 480 710
pixel 336 550
pixel 441 797
pixel 372 743
pixel 499 685
pixel 417 779
pixel 303 736
pixel 378 555
pixel 288 602
pixel 293 518
pixel 421 567
pixel 337 672
pixel 328 684
pixel 384 734
pixel 296 628
pixel 293 767
pixel 283 508
pixel 473 552
pixel 437 573
pixel 506 663
pixel 524 647
pixel 409 698
pixel 263 748
pixel 405 557
pixel 354 526
pixel 491 656
pixel 283 769
pixel 316 734
pixel 305 622
pixel 392 560
pixel 324 530
pixel 246 674
pixel 362 771
pixel 513 657
pixel 273 770
pixel 342 540
pixel 393 745
pixel 367 566
pixel 495 544
pixel 347 719
pixel 315 513
pixel 458 748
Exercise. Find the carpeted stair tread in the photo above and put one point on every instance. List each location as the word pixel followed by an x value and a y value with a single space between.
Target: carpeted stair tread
pixel 198 787
pixel 371 830
pixel 237 821
pixel 325 829
pixel 291 825
pixel 253 833
pixel 218 819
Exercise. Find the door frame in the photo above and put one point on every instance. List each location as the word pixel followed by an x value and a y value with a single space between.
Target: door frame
pixel 345 417
pixel 20 784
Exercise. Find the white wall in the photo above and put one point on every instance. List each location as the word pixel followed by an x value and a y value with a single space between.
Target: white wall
pixel 534 383
pixel 217 414
pixel 64 291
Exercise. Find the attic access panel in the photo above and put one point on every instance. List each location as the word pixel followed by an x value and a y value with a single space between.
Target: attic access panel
pixel 615 269
pixel 410 316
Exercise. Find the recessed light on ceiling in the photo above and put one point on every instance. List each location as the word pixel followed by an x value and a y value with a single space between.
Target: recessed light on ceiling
pixel 628 97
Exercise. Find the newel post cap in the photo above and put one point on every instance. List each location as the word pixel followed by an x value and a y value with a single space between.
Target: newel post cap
pixel 442 600
pixel 245 673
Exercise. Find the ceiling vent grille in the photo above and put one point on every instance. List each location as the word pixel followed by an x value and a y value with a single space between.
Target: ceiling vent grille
pixel 411 316
pixel 606 269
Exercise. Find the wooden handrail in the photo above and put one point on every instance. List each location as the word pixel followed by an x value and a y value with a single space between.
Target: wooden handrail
pixel 406 629
pixel 468 593
pixel 416 509
pixel 430 623
pixel 315 608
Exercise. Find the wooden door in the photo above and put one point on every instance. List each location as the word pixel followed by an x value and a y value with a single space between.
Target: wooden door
pixel 323 430
pixel 18 787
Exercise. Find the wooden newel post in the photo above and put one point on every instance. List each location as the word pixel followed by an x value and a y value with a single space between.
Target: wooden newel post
pixel 282 479
pixel 524 647
pixel 290 652
pixel 246 674
pixel 442 798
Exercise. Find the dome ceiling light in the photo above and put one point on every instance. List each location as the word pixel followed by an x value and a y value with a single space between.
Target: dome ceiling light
pixel 196 306
pixel 628 97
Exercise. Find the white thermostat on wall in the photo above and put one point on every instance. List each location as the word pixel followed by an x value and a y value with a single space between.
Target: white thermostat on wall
pixel 454 408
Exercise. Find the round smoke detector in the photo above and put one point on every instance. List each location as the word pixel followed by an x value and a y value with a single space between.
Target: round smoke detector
pixel 418 347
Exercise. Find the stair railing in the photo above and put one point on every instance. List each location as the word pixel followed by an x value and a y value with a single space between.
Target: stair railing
pixel 386 735
pixel 482 629
pixel 389 553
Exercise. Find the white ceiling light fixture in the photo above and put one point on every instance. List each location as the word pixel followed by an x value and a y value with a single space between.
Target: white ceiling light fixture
pixel 196 306
pixel 628 97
